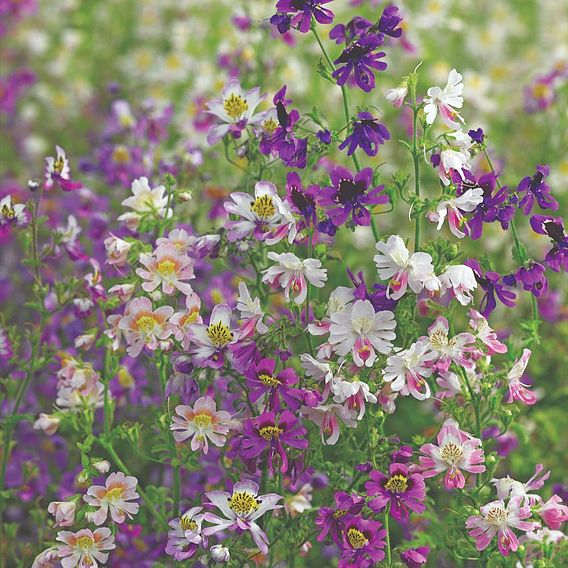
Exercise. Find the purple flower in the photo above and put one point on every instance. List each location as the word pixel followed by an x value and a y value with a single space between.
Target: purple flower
pixel 557 257
pixel 477 135
pixel 368 134
pixel 492 208
pixel 346 33
pixel 532 277
pixel 491 283
pixel 324 136
pixel 363 543
pixel 360 58
pixel 378 297
pixel 404 491
pixel 282 22
pixel 415 557
pixel 302 201
pixel 331 520
pixel 535 187
pixel 266 432
pixel 347 196
pixel 389 21
pixel 303 11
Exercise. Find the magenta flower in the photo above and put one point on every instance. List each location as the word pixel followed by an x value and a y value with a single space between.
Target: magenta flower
pixel 517 389
pixel 456 451
pixel 186 536
pixel 303 10
pixel 415 557
pixel 363 543
pixel 272 433
pixel 332 519
pixel 554 513
pixel 497 519
pixel 485 333
pixel 402 490
pixel 58 173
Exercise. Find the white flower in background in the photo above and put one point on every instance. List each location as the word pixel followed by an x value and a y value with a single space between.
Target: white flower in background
pixel 291 273
pixel 445 101
pixel 394 262
pixel 453 209
pixel 12 213
pixel 145 199
pixel 359 330
pixel 251 313
pixel 461 280
pixel 397 95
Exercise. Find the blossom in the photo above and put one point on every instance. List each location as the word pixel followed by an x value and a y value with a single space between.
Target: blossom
pixel 143 326
pixel 494 207
pixel 407 370
pixel 415 557
pixel 402 490
pixel 58 173
pixel 12 214
pixel 49 558
pixel 517 389
pixel 48 423
pixel 496 518
pixel 303 10
pixel 202 423
pixel 353 394
pixel 145 200
pixel 299 502
pixel 291 274
pixel 492 283
pixel 445 101
pixel 302 200
pixel 453 209
pixel 363 543
pixel 396 95
pixel 450 163
pixel 117 250
pixel 367 134
pixel 485 334
pixel 212 341
pixel 114 496
pixel 85 547
pixel 360 330
pixel 557 257
pixel 168 268
pixel 327 418
pixel 554 513
pixel 532 277
pixel 241 509
pixel 508 487
pixel 251 313
pixel 271 432
pixel 332 519
pixel 63 511
pixel 461 280
pixel 456 451
pixel 347 197
pixel 448 350
pixel 401 268
pixel 536 189
pixel 183 321
pixel 186 536
pixel 234 111
pixel 220 553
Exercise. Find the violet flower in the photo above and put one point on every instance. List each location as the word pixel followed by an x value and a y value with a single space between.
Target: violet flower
pixel 491 282
pixel 302 12
pixel 332 519
pixel 363 543
pixel 557 257
pixel 367 134
pixel 535 188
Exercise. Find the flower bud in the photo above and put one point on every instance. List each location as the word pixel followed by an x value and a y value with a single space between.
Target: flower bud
pixel 117 250
pixel 102 466
pixel 220 553
pixel 156 295
pixel 185 196
pixel 397 95
pixel 122 291
pixel 63 511
pixel 85 342
pixel 48 423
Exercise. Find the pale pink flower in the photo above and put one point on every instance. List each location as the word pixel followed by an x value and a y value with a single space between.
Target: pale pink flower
pixel 102 466
pixel 456 451
pixel 168 268
pixel 145 200
pixel 220 553
pixel 507 487
pixel 241 509
pixel 445 101
pixel 397 95
pixel 453 209
pixel 353 394
pixel 178 238
pixel 143 326
pixel 202 423
pixel 327 417
pixel 85 342
pixel 122 291
pixel 82 388
pixel 451 384
pixel 554 513
pixel 485 334
pixel 298 503
pixel 292 274
pixel 460 279
pixel 251 313
pixel 338 300
pixel 117 250
pixel 48 423
pixel 408 369
pixel 496 518
pixel 47 559
pixel 115 496
pixel 450 159
pixel 186 535
pixel 184 320
pixel 85 548
pixel 361 331
pixel 63 511
pixel 517 389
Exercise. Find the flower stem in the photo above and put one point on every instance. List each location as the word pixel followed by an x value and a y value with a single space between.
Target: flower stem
pixel 388 551
pixel 416 160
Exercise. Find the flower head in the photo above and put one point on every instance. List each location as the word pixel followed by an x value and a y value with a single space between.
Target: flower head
pixel 367 134
pixel 460 279
pixel 303 10
pixel 534 188
pixel 85 547
pixel 517 389
pixel 445 101
pixel 332 519
pixel 185 537
pixel 58 173
pixel 363 543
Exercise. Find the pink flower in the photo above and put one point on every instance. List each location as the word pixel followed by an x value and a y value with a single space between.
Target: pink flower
pixel 64 512
pixel 445 101
pixel 517 389
pixel 117 250
pixel 166 267
pixel 48 423
pixel 497 519
pixel 449 350
pixel 47 559
pixel 553 512
pixel 85 548
pixel 184 320
pixel 202 423
pixel 114 496
pixel 327 418
pixel 251 313
pixel 485 334
pixel 143 327
pixel 456 451
pixel 508 487
pixel 453 209
pixel 57 172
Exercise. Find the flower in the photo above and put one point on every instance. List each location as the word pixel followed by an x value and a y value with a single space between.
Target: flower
pixel 491 282
pixel 63 511
pixel 234 110
pixel 367 134
pixel 532 277
pixel 299 502
pixel 485 334
pixel 327 418
pixel 220 553
pixel 213 340
pixel 241 510
pixel 303 11
pixel 202 423
pixel 402 490
pixel 186 536
pixel 145 200
pixel 446 349
pixel 166 267
pixel 291 274
pixel 394 262
pixel 360 330
pixel 183 321
pixel 494 207
pixel 363 543
pixel 456 451
pixel 496 518
pixel 407 370
pixel 508 487
pixel 536 189
pixel 85 547
pixel 332 519
pixel 115 495
pixel 553 512
pixel 517 389
pixel 453 209
pixel 49 558
pixel 48 423
pixel 389 21
pixel 397 95
pixel 302 200
pixel 271 433
pixel 445 101
pixel 461 280
pixel 353 394
pixel 143 326
pixel 415 557
pixel 117 250
pixel 57 172
pixel 12 214
pixel 251 313
pixel 6 351
pixel 557 257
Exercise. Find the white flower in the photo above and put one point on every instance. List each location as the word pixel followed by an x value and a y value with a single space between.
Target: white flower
pixel 397 95
pixel 394 262
pixel 452 209
pixel 353 394
pixel 452 160
pixel 445 101
pixel 251 312
pixel 291 274
pixel 12 213
pixel 461 279
pixel 145 199
pixel 361 331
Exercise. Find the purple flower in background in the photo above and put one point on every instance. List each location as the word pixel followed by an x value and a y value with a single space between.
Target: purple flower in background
pixel 389 21
pixel 532 277
pixel 368 134
pixel 557 257
pixel 346 33
pixel 535 187
pixel 348 197
pixel 331 520
pixel 303 10
pixel 13 87
pixel 361 58
pixel 324 136
pixel 493 286
pixel 415 557
pixel 477 136
pixel 363 543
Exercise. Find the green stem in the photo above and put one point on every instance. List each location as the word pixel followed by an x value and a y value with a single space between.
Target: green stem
pixel 388 549
pixel 416 161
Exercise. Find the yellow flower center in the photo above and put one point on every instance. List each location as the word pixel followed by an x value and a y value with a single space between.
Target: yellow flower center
pixel 439 339
pixel 85 542
pixel 217 296
pixel 356 538
pixel 146 324
pixel 202 420
pixel 115 494
pixel 121 154
pixel 269 381
pixel 339 513
pixel 243 503
pixel 269 432
pixel 397 484
pixel 269 126
pixel 235 106
pixel 188 524
pixel 496 516
pixel 451 453
pixel 166 267
pixel 8 212
pixel 58 165
pixel 219 334
pixel 540 90
pixel 263 207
